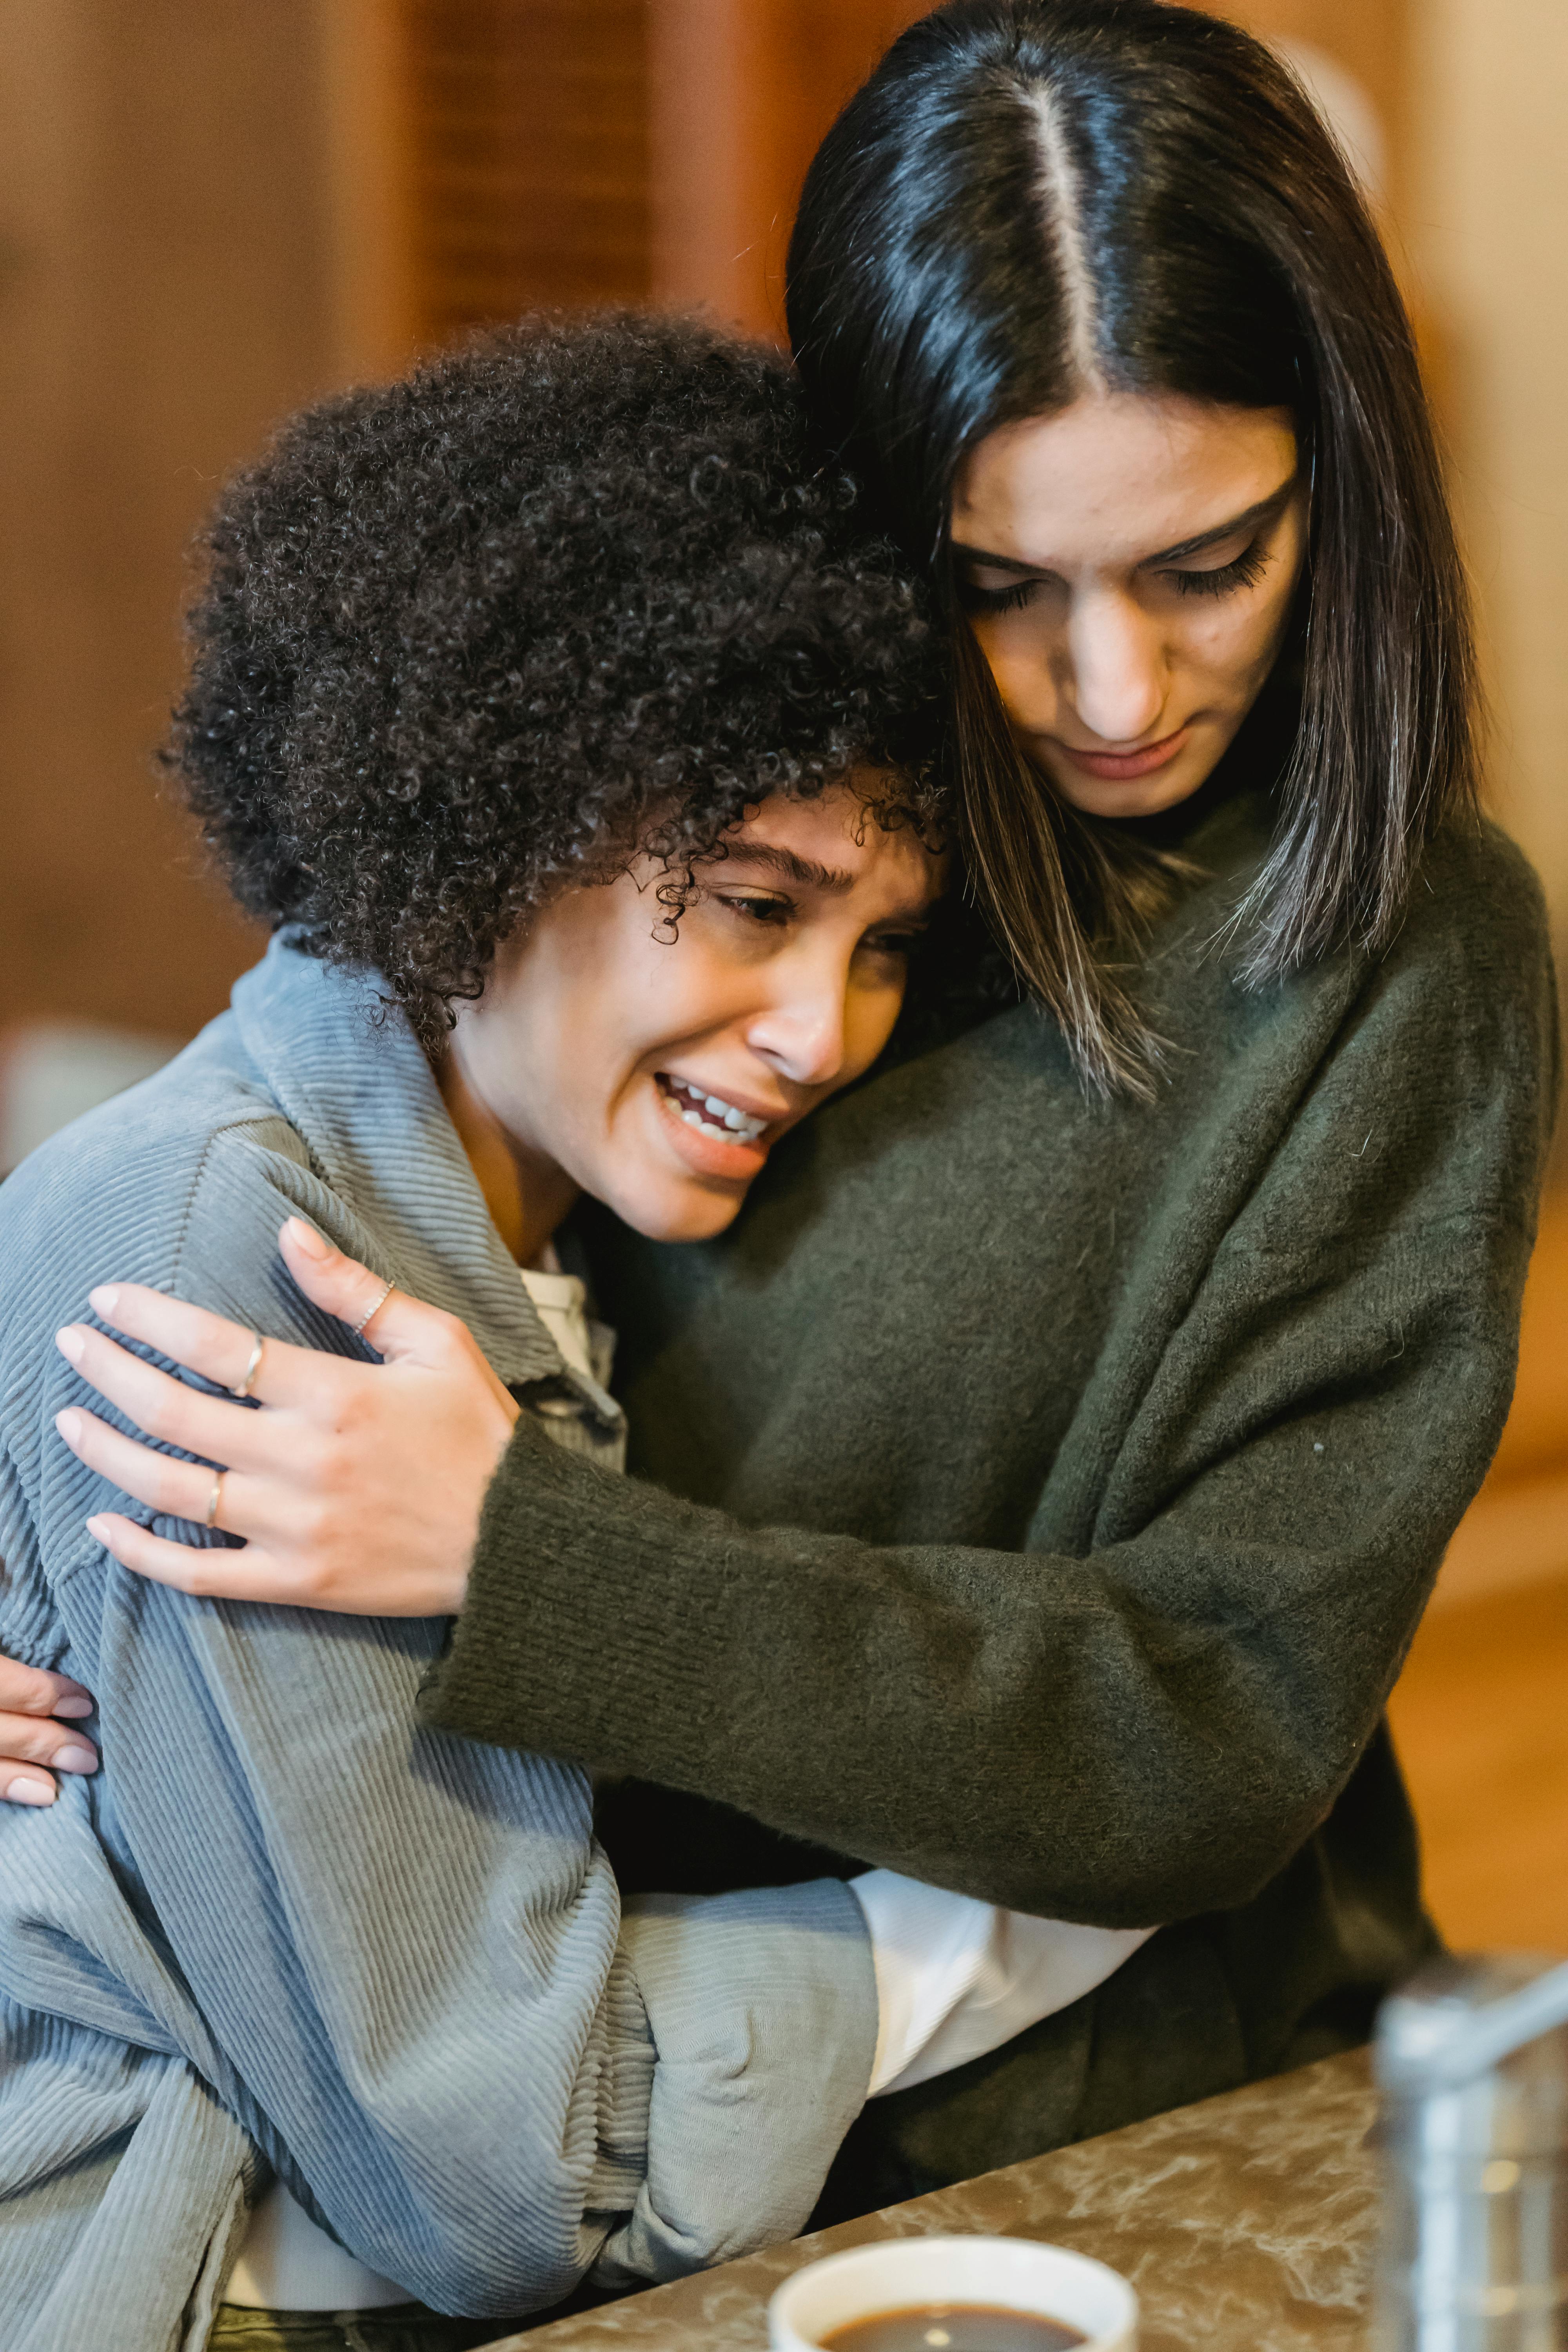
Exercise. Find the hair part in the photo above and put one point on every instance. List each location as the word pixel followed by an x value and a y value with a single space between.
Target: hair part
pixel 1034 199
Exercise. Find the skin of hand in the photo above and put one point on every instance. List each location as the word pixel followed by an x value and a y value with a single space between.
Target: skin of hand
pixel 312 1482
pixel 589 1064
pixel 31 1736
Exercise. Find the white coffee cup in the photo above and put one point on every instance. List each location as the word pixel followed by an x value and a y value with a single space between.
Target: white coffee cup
pixel 902 2274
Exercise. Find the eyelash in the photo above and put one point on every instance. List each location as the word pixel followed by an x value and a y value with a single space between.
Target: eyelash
pixel 772 914
pixel 766 913
pixel 1248 566
pixel 1243 572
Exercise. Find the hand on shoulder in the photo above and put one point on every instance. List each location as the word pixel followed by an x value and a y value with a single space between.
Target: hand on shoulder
pixel 354 1488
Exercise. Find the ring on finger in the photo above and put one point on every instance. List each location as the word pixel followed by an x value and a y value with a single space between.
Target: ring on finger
pixel 257 1348
pixel 214 1499
pixel 371 1312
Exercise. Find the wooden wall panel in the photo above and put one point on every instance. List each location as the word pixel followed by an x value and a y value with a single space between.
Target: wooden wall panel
pixel 741 92
pixel 163 301
pixel 528 156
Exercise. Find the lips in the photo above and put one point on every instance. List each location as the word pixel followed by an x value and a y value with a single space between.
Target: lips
pixel 699 1136
pixel 1119 766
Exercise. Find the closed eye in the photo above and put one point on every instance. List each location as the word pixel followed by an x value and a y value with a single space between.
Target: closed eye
pixel 1243 571
pixel 997 600
pixel 902 942
pixel 772 912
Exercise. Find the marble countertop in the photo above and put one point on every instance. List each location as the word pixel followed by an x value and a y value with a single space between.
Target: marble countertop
pixel 1246 2224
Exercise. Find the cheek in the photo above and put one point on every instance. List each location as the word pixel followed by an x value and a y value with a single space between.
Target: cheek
pixel 871 1014
pixel 1231 643
pixel 1017 648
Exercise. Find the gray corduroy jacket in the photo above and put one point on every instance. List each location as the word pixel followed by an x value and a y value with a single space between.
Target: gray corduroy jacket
pixel 286 1926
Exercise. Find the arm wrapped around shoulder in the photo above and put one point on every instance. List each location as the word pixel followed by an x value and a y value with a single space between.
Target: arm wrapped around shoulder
pixel 1297 1277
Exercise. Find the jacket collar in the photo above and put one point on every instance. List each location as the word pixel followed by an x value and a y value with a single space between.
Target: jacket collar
pixel 339 1058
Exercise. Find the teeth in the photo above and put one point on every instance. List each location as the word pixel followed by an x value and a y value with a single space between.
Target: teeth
pixel 711 1115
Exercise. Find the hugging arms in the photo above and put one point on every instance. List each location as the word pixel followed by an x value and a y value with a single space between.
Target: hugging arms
pixel 292 1927
pixel 1036 1490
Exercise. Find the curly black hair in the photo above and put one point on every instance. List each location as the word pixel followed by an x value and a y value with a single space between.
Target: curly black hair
pixel 576 589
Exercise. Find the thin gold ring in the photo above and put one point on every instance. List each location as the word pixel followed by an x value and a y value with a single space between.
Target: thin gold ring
pixel 387 1290
pixel 257 1349
pixel 213 1499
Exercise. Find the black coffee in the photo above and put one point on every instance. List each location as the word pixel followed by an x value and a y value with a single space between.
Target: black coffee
pixel 952 2327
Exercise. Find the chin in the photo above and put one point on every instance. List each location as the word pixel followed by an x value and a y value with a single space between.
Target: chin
pixel 691 1213
pixel 1142 796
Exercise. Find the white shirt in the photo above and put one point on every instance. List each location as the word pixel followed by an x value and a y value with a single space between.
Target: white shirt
pixel 955 1979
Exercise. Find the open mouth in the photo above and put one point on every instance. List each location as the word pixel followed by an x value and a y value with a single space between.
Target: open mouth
pixel 710 1115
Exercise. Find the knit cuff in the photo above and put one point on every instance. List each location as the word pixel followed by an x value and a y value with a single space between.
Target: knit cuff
pixel 593 1603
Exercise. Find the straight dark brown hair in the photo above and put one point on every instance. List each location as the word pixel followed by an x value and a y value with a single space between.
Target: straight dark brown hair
pixel 1020 178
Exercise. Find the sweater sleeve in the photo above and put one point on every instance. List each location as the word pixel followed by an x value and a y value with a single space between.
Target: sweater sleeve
pixel 397 1956
pixel 1149 1727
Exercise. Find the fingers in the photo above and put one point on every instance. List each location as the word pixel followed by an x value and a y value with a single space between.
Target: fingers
pixel 187 1335
pixel 33 1690
pixel 166 1408
pixel 30 1739
pixel 227 1575
pixel 221 1352
pixel 175 1489
pixel 27 1739
pixel 399 1328
pixel 18 1786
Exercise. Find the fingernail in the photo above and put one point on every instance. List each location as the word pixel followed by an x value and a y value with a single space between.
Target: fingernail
pixel 71 1341
pixel 99 1531
pixel 26 1790
pixel 73 1757
pixel 104 1300
pixel 74 1707
pixel 308 1240
pixel 69 1423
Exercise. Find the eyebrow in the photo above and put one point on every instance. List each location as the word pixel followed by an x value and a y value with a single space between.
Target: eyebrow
pixel 805 871
pixel 1263 511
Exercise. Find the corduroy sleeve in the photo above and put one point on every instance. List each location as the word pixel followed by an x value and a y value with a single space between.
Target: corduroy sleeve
pixel 396 1956
pixel 1149 1727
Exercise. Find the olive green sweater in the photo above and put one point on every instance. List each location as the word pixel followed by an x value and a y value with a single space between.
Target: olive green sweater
pixel 1052 1488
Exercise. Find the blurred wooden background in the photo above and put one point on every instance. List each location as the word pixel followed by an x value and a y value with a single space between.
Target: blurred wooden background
pixel 210 214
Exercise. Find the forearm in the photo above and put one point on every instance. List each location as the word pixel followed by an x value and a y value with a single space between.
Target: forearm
pixel 1139 1734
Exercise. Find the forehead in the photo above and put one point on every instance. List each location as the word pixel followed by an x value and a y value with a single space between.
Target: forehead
pixel 1117 477
pixel 839 835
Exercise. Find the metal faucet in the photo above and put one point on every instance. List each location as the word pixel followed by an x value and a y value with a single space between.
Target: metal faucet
pixel 1471 2056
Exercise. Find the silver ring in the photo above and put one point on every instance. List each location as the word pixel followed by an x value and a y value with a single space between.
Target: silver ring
pixel 387 1290
pixel 258 1347
pixel 213 1499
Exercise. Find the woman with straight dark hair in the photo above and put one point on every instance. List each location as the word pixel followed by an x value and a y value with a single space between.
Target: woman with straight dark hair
pixel 1039 1486
pixel 1034 206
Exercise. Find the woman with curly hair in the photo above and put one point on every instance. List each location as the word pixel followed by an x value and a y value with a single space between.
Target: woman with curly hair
pixel 577 739
pixel 1040 1485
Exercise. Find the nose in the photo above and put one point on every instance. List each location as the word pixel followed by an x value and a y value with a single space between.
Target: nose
pixel 802 1029
pixel 1119 678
